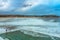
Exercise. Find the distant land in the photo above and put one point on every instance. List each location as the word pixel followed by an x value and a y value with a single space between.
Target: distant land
pixel 28 16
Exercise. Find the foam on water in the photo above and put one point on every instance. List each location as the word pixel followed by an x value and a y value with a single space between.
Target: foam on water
pixel 1 38
pixel 35 27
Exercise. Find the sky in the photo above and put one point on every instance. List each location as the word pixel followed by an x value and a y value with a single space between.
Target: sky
pixel 30 7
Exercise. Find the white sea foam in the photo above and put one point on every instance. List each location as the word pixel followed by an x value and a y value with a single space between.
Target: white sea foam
pixel 1 38
pixel 34 27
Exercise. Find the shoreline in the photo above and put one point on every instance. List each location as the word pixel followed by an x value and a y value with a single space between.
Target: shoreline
pixel 29 16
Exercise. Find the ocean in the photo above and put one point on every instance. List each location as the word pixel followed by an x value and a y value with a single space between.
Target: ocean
pixel 30 29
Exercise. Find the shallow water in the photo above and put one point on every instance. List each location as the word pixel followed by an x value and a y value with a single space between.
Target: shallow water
pixel 35 27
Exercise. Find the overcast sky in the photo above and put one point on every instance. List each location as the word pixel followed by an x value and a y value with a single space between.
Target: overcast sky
pixel 30 7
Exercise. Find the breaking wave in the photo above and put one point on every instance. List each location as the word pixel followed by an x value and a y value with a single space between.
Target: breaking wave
pixel 36 27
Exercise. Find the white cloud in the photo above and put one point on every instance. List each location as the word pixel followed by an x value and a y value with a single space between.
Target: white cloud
pixel 30 4
pixel 4 5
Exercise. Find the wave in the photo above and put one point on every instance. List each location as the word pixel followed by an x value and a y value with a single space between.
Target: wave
pixel 1 38
pixel 34 26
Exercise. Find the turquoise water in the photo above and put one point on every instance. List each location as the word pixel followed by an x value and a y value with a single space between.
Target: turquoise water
pixel 17 35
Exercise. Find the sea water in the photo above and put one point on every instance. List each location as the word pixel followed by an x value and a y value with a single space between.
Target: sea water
pixel 35 27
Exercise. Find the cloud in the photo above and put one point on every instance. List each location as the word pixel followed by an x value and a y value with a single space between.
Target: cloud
pixel 5 5
pixel 30 4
